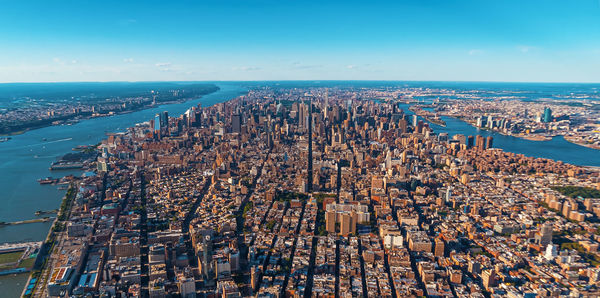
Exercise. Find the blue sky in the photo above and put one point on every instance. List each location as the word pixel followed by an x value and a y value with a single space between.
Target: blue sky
pixel 502 40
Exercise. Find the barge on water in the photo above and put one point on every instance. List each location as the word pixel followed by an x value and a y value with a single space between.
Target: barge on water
pixel 66 166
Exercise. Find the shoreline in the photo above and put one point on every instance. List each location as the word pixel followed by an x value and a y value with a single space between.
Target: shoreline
pixel 570 140
pixel 50 240
pixel 87 117
pixel 535 138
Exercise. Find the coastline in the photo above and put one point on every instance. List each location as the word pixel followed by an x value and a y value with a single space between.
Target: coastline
pixel 570 140
pixel 535 138
pixel 78 118
pixel 38 269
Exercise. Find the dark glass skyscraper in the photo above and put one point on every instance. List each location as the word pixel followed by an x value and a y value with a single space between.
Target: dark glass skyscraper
pixel 236 123
pixel 547 115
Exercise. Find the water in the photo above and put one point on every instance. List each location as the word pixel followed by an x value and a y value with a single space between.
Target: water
pixel 557 148
pixel 26 158
pixel 12 285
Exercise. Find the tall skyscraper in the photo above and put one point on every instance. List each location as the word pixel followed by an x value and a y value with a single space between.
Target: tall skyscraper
pixel 547 115
pixel 309 179
pixel 489 142
pixel 157 124
pixel 545 237
pixel 164 123
pixel 301 116
pixel 480 142
pixel 236 123
pixel 470 141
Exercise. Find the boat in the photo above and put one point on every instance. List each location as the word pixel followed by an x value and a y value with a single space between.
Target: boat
pixel 66 166
pixel 81 148
pixel 4 139
pixel 47 180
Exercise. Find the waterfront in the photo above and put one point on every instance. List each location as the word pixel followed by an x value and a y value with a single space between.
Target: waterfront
pixel 27 157
pixel 557 148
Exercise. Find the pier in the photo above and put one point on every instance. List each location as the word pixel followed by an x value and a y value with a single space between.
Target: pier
pixel 27 221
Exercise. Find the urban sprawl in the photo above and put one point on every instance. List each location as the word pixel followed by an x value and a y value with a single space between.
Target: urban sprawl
pixel 315 192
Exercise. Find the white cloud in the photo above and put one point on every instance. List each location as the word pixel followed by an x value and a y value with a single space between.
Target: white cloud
pixel 246 68
pixel 525 49
pixel 351 66
pixel 128 60
pixel 298 65
pixel 163 64
pixel 475 52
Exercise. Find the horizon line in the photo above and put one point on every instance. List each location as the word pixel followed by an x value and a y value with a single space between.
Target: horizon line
pixel 298 80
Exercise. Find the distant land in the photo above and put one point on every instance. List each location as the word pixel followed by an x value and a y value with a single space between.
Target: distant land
pixel 26 106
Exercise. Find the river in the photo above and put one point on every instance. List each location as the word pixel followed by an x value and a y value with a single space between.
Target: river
pixel 27 157
pixel 557 148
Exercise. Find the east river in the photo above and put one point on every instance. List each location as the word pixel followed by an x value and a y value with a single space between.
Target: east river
pixel 27 157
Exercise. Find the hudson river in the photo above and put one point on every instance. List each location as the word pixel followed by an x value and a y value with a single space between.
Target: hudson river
pixel 27 157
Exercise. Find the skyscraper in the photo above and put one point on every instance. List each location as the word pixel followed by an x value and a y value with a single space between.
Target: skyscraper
pixel 470 141
pixel 545 236
pixel 547 115
pixel 157 123
pixel 309 179
pixel 236 123
pixel 489 142
pixel 164 123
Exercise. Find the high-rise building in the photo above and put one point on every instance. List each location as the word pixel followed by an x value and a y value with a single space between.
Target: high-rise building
pixel 156 123
pixel 164 119
pixel 301 116
pixel 489 142
pixel 547 115
pixel 330 220
pixel 402 125
pixel 236 123
pixel 309 180
pixel 545 234
pixel 439 248
pixel 470 141
pixel 161 123
pixel 420 125
pixel 488 278
pixel 480 142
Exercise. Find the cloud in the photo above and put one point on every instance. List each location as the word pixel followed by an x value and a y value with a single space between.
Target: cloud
pixel 246 68
pixel 298 65
pixel 57 60
pixel 163 64
pixel 525 49
pixel 351 66
pixel 128 60
pixel 475 52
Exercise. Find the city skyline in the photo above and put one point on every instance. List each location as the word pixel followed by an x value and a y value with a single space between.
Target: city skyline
pixel 537 41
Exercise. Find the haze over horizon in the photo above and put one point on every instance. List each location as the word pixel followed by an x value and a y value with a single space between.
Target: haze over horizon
pixel 508 41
